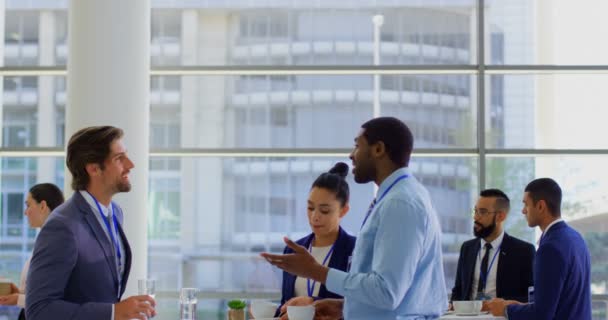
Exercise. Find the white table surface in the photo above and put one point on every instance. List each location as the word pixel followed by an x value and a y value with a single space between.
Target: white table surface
pixel 479 317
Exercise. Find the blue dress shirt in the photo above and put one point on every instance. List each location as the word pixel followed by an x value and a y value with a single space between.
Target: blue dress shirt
pixel 397 267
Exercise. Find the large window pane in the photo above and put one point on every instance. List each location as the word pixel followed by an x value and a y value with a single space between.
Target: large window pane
pixel 35 34
pixel 312 33
pixel 550 32
pixel 307 111
pixel 583 181
pixel 33 111
pixel 547 111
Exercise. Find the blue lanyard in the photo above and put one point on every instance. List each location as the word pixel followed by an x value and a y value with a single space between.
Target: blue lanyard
pixel 484 274
pixel 114 238
pixel 371 208
pixel 311 288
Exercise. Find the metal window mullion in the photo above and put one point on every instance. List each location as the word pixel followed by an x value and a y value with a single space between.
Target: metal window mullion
pixel 481 124
pixel 385 69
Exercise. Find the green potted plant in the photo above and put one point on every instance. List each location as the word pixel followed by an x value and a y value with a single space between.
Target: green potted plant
pixel 236 310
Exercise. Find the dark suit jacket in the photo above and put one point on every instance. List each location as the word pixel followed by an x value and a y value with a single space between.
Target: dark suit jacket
pixel 513 276
pixel 73 272
pixel 343 249
pixel 562 278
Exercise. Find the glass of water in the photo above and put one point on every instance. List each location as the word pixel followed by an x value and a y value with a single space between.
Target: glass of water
pixel 147 286
pixel 187 304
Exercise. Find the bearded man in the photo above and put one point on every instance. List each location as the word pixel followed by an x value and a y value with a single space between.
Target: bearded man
pixel 494 264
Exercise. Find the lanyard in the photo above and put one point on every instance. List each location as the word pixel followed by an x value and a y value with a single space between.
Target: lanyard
pixel 484 274
pixel 311 288
pixel 114 238
pixel 374 203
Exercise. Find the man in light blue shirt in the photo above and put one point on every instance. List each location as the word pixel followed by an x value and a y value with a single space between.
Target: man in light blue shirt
pixel 396 270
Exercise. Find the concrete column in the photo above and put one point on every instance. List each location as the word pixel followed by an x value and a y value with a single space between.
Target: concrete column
pixel 109 84
pixel 46 121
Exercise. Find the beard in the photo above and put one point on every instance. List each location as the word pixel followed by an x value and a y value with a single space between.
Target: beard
pixel 362 176
pixel 484 232
pixel 122 185
pixel 364 173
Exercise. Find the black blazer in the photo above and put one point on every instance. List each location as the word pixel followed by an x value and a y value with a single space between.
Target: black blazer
pixel 343 249
pixel 513 276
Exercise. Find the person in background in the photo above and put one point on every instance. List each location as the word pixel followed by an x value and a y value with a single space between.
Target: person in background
pixel 397 265
pixel 494 264
pixel 328 243
pixel 41 200
pixel 562 267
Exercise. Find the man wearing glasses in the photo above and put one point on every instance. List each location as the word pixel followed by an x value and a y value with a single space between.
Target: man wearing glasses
pixel 494 264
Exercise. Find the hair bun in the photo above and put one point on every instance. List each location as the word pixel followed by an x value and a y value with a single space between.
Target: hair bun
pixel 340 169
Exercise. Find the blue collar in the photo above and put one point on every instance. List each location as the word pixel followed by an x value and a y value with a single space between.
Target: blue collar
pixel 391 178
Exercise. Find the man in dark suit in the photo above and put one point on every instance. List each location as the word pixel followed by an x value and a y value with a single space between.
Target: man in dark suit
pixel 494 264
pixel 562 277
pixel 81 260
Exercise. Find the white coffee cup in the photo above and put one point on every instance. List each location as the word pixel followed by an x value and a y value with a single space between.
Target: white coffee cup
pixel 261 309
pixel 467 306
pixel 300 312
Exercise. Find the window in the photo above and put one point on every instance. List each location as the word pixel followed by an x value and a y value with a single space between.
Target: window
pixel 211 215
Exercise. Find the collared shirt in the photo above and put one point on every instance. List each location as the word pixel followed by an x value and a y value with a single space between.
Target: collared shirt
pixel 491 280
pixel 547 229
pixel 301 284
pixel 106 213
pixel 397 266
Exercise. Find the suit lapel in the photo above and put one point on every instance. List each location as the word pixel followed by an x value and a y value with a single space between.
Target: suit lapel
pixel 502 262
pixel 127 248
pixel 470 269
pixel 99 233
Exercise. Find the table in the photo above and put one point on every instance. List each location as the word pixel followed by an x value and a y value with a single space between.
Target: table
pixel 479 317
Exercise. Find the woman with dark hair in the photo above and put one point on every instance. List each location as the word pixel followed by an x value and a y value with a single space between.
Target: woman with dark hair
pixel 41 200
pixel 328 243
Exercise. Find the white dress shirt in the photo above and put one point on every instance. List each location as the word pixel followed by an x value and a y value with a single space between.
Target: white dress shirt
pixel 491 280
pixel 301 285
pixel 21 298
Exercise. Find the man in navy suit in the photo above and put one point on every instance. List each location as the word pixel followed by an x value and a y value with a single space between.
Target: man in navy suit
pixel 81 260
pixel 562 277
pixel 494 264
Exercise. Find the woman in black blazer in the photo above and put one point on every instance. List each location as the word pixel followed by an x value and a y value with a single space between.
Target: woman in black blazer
pixel 328 242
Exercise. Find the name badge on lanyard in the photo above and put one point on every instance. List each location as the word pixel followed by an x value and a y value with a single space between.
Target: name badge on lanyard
pixel 309 287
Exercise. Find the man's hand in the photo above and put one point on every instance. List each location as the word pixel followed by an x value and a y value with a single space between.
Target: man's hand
pixel 14 289
pixel 136 307
pixel 297 301
pixel 300 263
pixel 328 309
pixel 497 306
pixel 9 300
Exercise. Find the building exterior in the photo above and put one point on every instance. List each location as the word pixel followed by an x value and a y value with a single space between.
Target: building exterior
pixel 210 215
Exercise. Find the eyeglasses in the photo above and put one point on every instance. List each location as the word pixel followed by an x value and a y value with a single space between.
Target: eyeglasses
pixel 481 212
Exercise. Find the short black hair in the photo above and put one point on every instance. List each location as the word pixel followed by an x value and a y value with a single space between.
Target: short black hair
pixel 47 192
pixel 548 190
pixel 396 136
pixel 334 181
pixel 502 200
